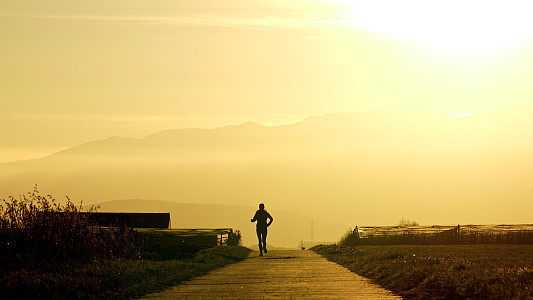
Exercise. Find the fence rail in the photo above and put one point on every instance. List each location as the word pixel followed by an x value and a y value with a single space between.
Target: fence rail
pixel 427 235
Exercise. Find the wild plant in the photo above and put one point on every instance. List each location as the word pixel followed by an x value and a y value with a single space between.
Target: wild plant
pixel 35 227
pixel 234 238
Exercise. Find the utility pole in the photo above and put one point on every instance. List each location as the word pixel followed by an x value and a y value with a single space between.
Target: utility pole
pixel 312 235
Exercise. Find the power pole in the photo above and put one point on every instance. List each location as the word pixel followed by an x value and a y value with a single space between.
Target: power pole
pixel 312 235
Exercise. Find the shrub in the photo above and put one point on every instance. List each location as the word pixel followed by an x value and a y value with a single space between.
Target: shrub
pixel 350 238
pixel 37 228
pixel 234 238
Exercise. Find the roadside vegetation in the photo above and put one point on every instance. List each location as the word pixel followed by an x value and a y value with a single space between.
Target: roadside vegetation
pixel 111 278
pixel 36 228
pixel 414 268
pixel 50 251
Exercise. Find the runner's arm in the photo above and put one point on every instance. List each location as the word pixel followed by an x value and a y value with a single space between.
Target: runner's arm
pixel 270 220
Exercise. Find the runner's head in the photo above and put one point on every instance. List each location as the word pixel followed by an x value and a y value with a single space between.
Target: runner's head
pixel 261 206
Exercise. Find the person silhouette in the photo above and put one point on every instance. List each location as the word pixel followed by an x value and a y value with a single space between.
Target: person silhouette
pixel 261 217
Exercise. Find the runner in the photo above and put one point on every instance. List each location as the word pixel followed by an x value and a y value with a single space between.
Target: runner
pixel 261 217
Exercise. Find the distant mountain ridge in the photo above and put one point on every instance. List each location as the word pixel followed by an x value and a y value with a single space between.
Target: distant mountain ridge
pixel 350 168
pixel 324 128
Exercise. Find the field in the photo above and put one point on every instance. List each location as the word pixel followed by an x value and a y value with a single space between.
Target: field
pixel 442 271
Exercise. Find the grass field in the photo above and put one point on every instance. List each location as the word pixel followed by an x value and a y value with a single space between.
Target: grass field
pixel 442 271
pixel 111 278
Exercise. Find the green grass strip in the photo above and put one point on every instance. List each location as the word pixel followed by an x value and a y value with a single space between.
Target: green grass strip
pixel 116 279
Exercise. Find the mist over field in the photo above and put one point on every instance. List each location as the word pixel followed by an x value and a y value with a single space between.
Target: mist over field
pixel 348 169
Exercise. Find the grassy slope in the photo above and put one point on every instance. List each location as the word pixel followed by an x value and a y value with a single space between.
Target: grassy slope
pixel 113 278
pixel 442 271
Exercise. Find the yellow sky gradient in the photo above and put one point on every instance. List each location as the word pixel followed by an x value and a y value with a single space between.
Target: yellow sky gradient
pixel 75 71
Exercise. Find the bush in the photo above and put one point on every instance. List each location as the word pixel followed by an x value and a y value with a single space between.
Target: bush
pixel 37 228
pixel 350 238
pixel 234 238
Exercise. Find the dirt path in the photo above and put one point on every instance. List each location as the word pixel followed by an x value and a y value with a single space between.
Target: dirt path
pixel 285 274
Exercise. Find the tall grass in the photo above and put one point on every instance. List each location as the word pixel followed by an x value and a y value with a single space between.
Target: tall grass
pixel 38 228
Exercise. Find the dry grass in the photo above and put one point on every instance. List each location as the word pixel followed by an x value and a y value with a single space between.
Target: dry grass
pixel 37 228
pixel 442 271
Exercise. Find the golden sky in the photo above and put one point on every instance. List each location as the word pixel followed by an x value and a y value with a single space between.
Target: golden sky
pixel 73 71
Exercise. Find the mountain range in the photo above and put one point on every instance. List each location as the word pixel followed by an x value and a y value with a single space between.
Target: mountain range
pixel 370 168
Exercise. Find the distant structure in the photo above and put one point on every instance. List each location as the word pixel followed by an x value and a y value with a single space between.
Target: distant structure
pixel 137 220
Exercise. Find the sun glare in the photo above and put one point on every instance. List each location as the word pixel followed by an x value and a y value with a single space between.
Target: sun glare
pixel 464 27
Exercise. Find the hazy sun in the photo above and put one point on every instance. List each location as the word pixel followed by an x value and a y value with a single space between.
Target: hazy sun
pixel 460 26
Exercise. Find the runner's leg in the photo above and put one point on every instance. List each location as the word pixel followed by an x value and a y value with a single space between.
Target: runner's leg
pixel 258 231
pixel 265 240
